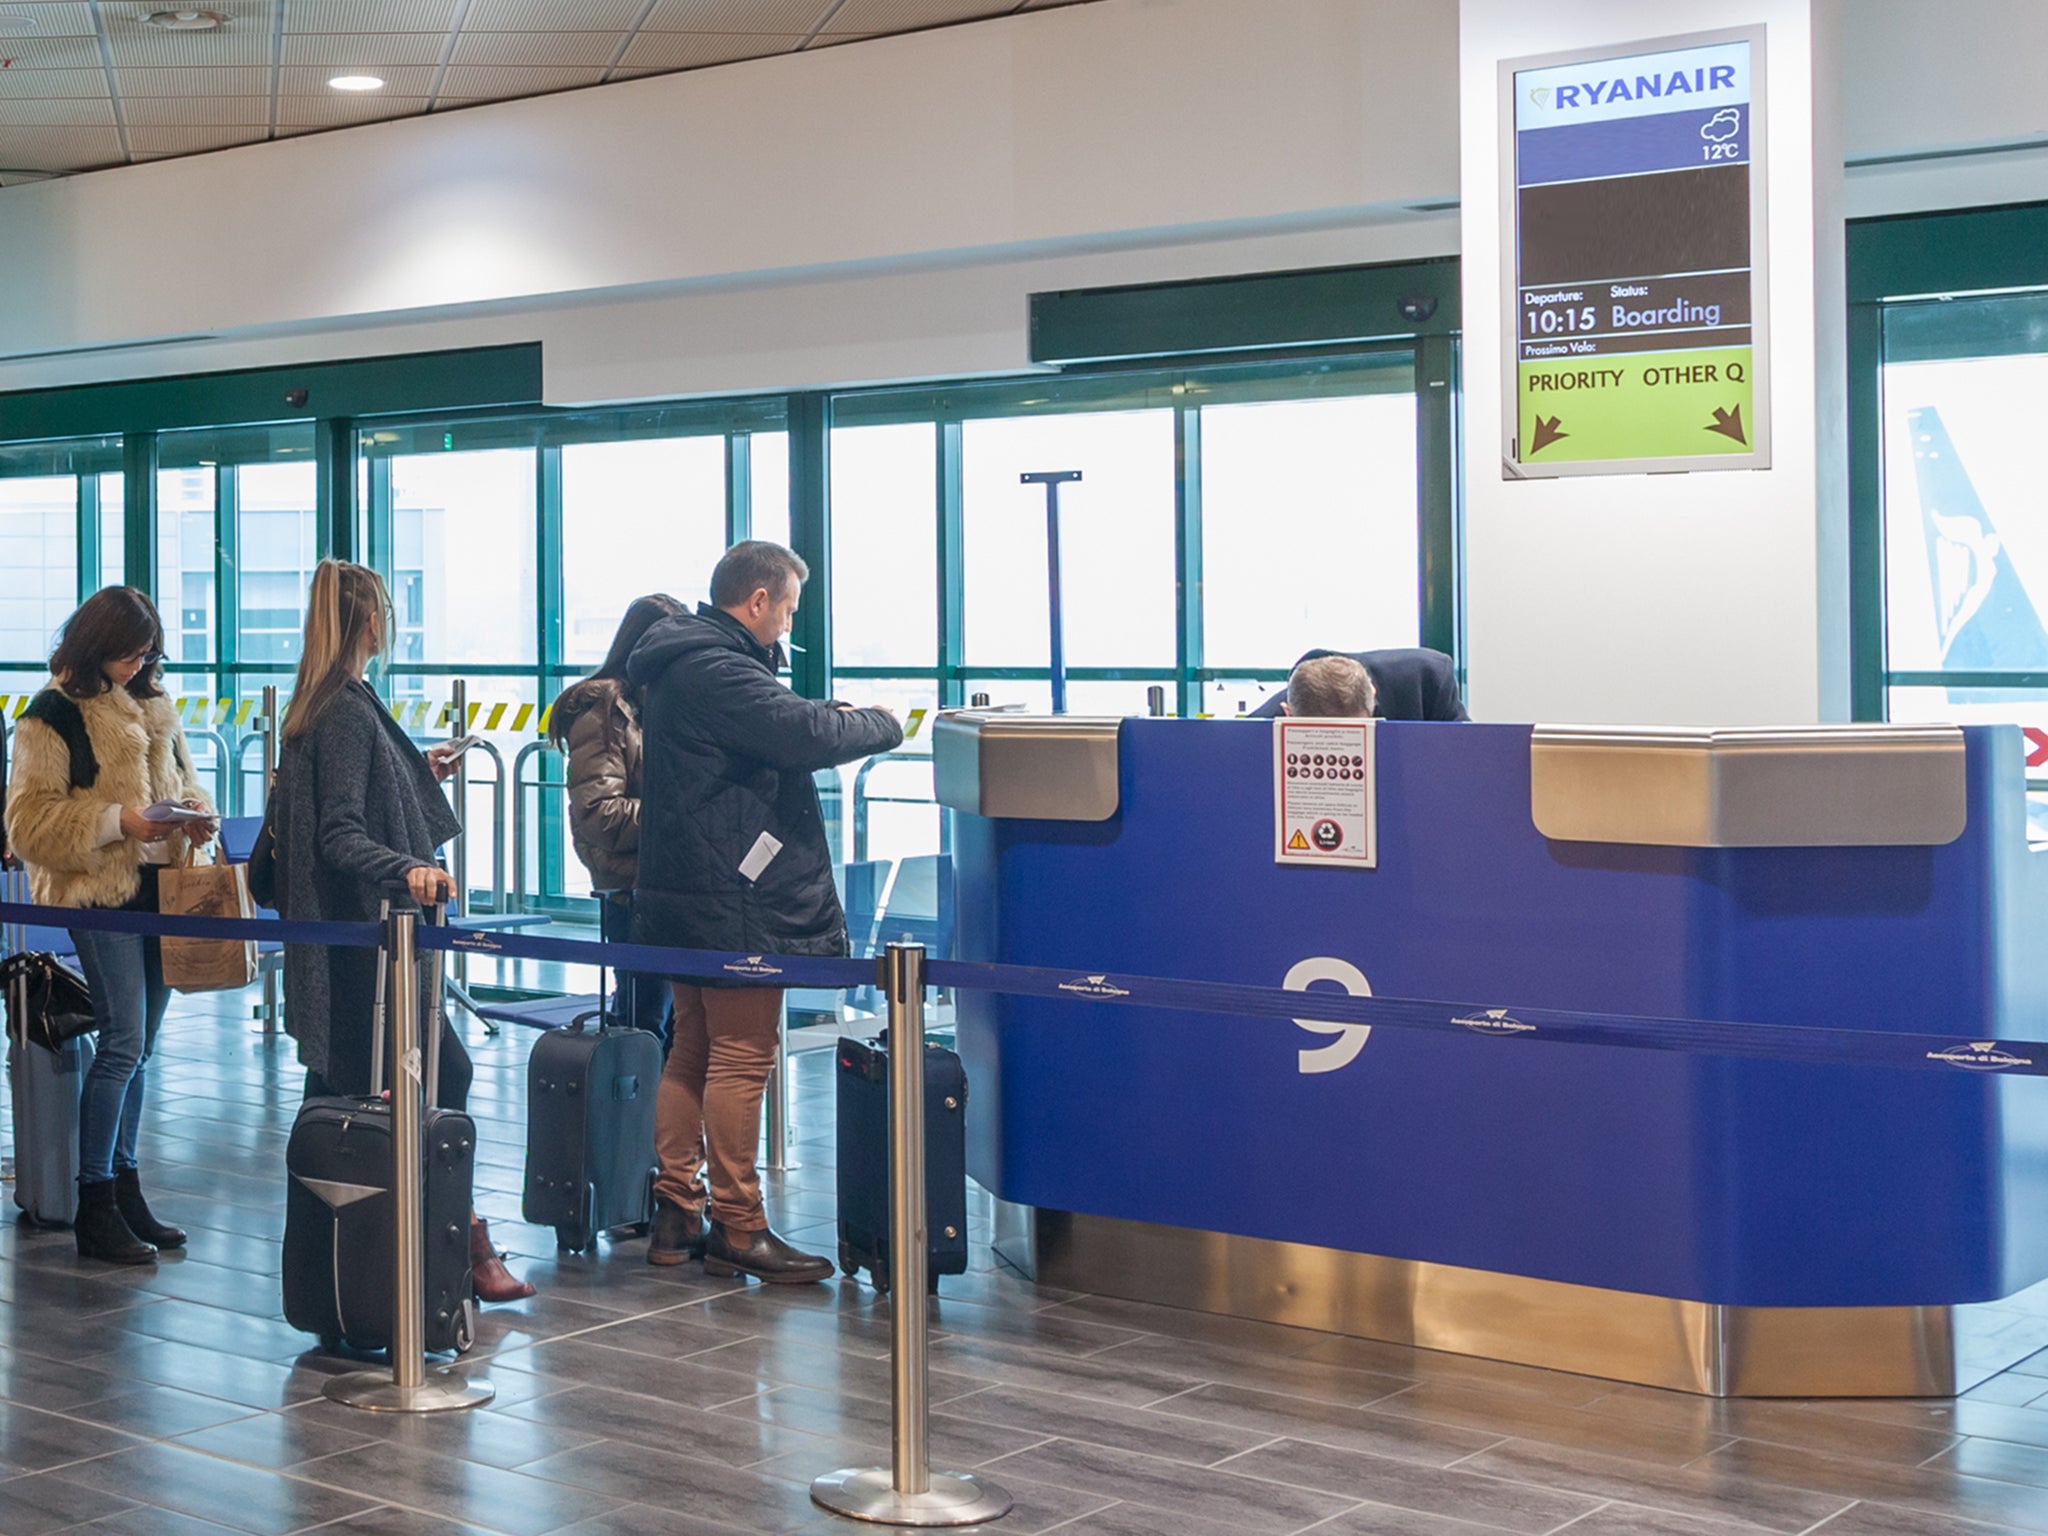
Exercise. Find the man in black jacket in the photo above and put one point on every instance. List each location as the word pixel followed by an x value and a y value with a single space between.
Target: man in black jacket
pixel 733 857
pixel 1408 684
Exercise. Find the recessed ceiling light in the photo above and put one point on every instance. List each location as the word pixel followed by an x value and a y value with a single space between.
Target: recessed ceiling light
pixel 13 23
pixel 186 21
pixel 356 83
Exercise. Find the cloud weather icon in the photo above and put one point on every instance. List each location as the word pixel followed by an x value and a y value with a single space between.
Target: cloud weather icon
pixel 1724 124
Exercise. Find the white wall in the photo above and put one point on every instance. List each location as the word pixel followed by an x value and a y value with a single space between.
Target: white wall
pixel 1700 597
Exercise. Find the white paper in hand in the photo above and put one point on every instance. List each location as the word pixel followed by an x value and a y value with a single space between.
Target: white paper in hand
pixel 759 857
pixel 171 810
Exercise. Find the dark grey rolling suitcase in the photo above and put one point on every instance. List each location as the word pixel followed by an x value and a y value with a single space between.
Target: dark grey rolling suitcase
pixel 44 1087
pixel 590 1130
pixel 863 1098
pixel 337 1265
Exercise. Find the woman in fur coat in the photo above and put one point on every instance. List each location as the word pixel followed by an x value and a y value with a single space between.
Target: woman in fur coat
pixel 93 751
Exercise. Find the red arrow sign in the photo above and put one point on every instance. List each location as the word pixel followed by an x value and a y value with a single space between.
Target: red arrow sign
pixel 2037 746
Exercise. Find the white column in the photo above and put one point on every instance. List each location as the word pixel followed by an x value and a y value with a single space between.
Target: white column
pixel 1716 597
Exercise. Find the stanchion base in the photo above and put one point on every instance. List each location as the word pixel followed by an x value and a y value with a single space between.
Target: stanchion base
pixel 869 1493
pixel 441 1392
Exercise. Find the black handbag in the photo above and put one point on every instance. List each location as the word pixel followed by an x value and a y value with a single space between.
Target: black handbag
pixel 262 867
pixel 48 1003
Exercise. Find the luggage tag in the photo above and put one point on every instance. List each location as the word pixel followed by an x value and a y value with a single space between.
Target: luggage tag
pixel 759 857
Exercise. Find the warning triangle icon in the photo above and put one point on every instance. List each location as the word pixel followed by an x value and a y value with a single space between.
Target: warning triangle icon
pixel 1297 843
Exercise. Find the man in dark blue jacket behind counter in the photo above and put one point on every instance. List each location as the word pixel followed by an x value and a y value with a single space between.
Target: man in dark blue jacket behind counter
pixel 1410 685
pixel 733 857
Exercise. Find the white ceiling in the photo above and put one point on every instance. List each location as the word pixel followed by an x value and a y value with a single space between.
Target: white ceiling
pixel 86 84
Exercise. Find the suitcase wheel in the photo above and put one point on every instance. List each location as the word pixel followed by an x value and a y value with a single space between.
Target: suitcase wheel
pixel 881 1276
pixel 579 1236
pixel 849 1266
pixel 330 1342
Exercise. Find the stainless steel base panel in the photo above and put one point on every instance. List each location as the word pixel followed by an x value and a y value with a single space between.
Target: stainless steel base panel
pixel 1656 1341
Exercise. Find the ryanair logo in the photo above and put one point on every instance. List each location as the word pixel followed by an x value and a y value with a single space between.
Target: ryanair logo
pixel 1980 1056
pixel 752 965
pixel 1094 986
pixel 1494 1021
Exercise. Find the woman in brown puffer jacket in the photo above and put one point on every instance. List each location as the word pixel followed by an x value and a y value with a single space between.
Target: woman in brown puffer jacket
pixel 598 725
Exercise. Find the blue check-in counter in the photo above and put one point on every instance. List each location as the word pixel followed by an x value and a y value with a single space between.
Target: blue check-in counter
pixel 1719 1225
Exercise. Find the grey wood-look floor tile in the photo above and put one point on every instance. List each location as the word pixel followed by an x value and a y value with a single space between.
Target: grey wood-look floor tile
pixel 1128 1519
pixel 158 1412
pixel 1385 1520
pixel 1054 1416
pixel 2007 1389
pixel 1129 1381
pixel 648 1520
pixel 664 1336
pixel 1813 1426
pixel 1996 1458
pixel 1885 1520
pixel 1632 1520
pixel 706 1490
pixel 679 1381
pixel 1989 1421
pixel 255 1383
pixel 493 1436
pixel 1291 1374
pixel 267 1503
pixel 400 1522
pixel 59 1385
pixel 736 1436
pixel 1928 1489
pixel 1533 1418
pixel 790 1362
pixel 1697 1490
pixel 281 1439
pixel 1433 1365
pixel 1195 1327
pixel 448 1486
pixel 223 1332
pixel 1277 1416
pixel 146 1520
pixel 1056 1328
pixel 49 1501
pixel 1453 1491
pixel 862 1421
pixel 1224 1495
pixel 33 1441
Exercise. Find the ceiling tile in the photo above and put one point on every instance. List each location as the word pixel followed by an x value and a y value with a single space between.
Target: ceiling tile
pixel 60 149
pixel 192 82
pixel 320 112
pixel 161 143
pixel 53 111
pixel 552 15
pixel 193 111
pixel 369 15
pixel 779 16
pixel 300 80
pixel 908 15
pixel 74 20
pixel 660 52
pixel 52 82
pixel 558 50
pixel 370 50
pixel 132 43
pixel 49 52
pixel 498 84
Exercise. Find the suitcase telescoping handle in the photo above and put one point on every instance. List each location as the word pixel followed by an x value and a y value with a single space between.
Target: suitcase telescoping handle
pixel 430 1047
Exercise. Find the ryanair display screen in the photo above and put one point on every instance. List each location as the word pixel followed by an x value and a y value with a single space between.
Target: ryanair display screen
pixel 1635 285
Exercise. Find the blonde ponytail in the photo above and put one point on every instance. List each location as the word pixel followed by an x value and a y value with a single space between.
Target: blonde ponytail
pixel 348 617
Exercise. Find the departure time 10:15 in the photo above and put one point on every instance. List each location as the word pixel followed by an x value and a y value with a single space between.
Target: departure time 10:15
pixel 1549 322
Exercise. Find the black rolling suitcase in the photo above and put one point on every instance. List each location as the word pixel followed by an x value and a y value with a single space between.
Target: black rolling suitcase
pixel 590 1130
pixel 43 1087
pixel 863 1095
pixel 338 1265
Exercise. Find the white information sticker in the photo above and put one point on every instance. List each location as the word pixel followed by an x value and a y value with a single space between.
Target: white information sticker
pixel 759 857
pixel 1325 793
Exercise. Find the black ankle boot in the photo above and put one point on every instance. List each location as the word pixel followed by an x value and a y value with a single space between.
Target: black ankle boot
pixel 763 1255
pixel 678 1234
pixel 135 1211
pixel 101 1230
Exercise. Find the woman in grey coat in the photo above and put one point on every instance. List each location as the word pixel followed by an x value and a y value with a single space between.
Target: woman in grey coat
pixel 357 811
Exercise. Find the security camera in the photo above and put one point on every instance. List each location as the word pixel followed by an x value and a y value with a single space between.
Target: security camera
pixel 1416 307
pixel 297 398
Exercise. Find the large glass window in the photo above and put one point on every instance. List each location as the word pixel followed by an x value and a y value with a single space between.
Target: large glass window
pixel 1116 539
pixel 637 517
pixel 1309 530
pixel 463 562
pixel 39 551
pixel 884 546
pixel 768 455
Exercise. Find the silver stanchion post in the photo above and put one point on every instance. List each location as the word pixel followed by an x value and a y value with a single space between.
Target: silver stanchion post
pixel 908 1492
pixel 1155 701
pixel 458 726
pixel 779 1160
pixel 409 1387
pixel 267 724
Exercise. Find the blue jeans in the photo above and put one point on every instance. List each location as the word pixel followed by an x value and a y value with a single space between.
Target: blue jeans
pixel 126 974
pixel 641 1002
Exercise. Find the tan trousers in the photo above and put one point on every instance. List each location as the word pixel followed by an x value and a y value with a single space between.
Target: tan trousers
pixel 708 1110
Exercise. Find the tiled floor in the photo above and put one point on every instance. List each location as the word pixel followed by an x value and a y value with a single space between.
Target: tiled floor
pixel 633 1401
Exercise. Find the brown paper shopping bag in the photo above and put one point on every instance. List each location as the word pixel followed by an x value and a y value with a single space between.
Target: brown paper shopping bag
pixel 206 890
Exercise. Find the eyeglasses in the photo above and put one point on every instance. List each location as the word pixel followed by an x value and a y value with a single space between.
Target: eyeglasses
pixel 145 658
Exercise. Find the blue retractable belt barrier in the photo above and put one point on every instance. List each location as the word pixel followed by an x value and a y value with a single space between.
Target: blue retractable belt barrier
pixel 1703 1037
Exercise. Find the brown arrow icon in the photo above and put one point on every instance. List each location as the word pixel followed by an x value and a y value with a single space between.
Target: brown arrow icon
pixel 1546 433
pixel 1728 424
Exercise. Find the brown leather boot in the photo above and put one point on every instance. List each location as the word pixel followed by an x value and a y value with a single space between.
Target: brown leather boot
pixel 488 1275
